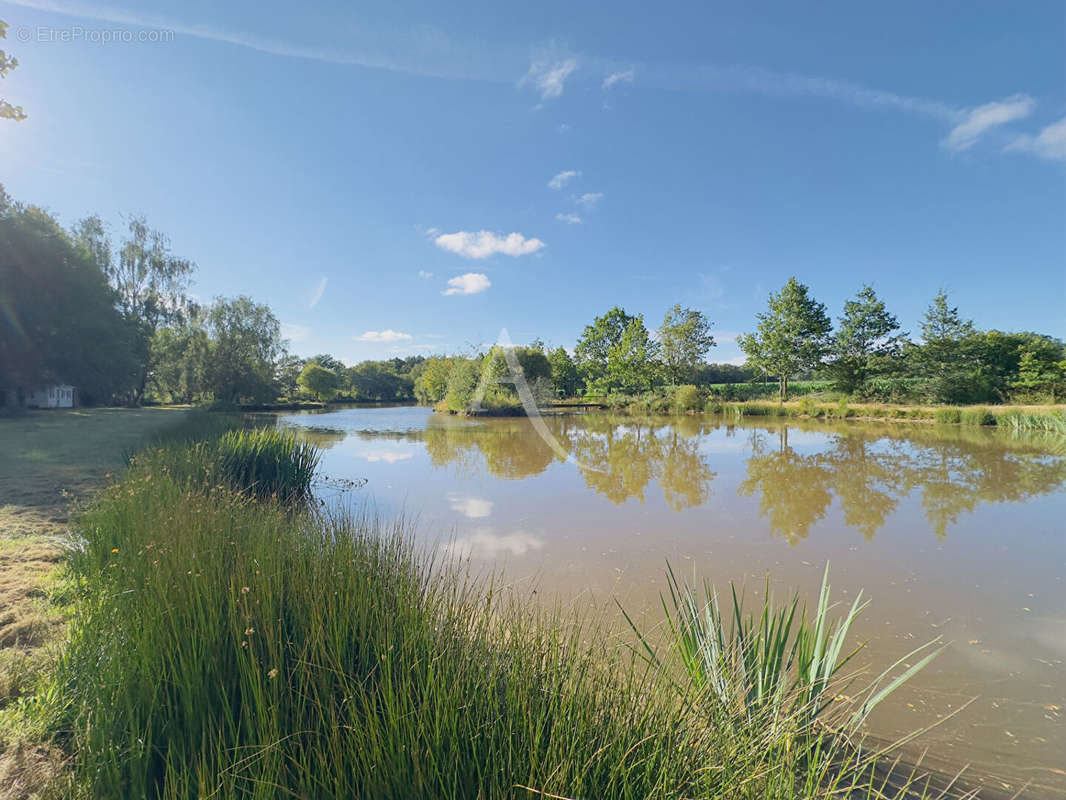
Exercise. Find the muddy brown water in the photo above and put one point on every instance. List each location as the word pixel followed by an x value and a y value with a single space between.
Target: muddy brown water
pixel 951 532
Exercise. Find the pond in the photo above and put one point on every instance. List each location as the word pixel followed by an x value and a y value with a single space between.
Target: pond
pixel 951 532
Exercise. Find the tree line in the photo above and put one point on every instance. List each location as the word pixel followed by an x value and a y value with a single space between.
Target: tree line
pixel 115 318
pixel 869 356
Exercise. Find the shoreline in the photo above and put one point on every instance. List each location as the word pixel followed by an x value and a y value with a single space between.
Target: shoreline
pixel 1049 419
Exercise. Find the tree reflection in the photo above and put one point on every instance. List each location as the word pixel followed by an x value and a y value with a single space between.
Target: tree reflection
pixel 619 456
pixel 322 438
pixel 867 470
pixel 869 475
pixel 793 490
pixel 508 448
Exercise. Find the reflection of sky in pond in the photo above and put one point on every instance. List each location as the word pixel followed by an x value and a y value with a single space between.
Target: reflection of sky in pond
pixel 953 532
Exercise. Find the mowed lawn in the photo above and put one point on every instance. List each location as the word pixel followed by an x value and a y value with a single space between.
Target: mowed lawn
pixel 49 459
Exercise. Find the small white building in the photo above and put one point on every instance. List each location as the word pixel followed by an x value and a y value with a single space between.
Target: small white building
pixel 56 396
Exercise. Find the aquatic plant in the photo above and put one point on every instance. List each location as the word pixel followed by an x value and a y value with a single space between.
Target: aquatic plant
pixel 777 666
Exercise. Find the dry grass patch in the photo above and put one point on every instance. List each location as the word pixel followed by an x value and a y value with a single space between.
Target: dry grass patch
pixel 32 772
pixel 27 566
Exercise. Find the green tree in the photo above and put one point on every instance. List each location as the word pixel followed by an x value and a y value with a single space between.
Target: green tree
pixel 946 359
pixel 319 381
pixel 58 321
pixel 150 282
pixel 463 378
pixel 616 353
pixel 8 63
pixel 564 374
pixel 329 362
pixel 633 363
pixel 594 346
pixel 792 335
pixel 684 339
pixel 867 341
pixel 288 374
pixel 497 387
pixel 431 380
pixel 1041 367
pixel 378 380
pixel 178 363
pixel 245 348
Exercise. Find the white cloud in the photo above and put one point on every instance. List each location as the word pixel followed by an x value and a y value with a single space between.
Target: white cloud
pixel 488 545
pixel 294 332
pixel 724 336
pixel 1050 143
pixel 388 335
pixel 983 118
pixel 387 456
pixel 569 219
pixel 316 295
pixel 589 199
pixel 563 178
pixel 549 77
pixel 471 507
pixel 486 243
pixel 470 283
pixel 563 127
pixel 625 76
pixel 424 275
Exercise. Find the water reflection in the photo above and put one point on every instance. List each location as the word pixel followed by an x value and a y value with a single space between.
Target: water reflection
pixel 794 471
pixel 868 476
pixel 619 458
pixel 965 526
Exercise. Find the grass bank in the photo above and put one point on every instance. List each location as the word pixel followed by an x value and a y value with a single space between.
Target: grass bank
pixel 1032 418
pixel 231 640
pixel 690 400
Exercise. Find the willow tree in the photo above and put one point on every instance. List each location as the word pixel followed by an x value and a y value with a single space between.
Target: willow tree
pixel 792 335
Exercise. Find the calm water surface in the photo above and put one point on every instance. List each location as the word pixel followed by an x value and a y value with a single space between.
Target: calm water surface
pixel 957 533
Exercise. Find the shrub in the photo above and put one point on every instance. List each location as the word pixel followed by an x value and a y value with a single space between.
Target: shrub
pixel 687 398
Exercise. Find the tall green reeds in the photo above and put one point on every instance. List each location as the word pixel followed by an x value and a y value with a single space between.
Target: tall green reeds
pixel 1052 421
pixel 263 462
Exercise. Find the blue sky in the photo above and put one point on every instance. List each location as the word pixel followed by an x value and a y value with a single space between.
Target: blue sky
pixel 417 176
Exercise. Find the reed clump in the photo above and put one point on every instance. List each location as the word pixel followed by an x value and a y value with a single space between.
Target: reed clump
pixel 262 462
